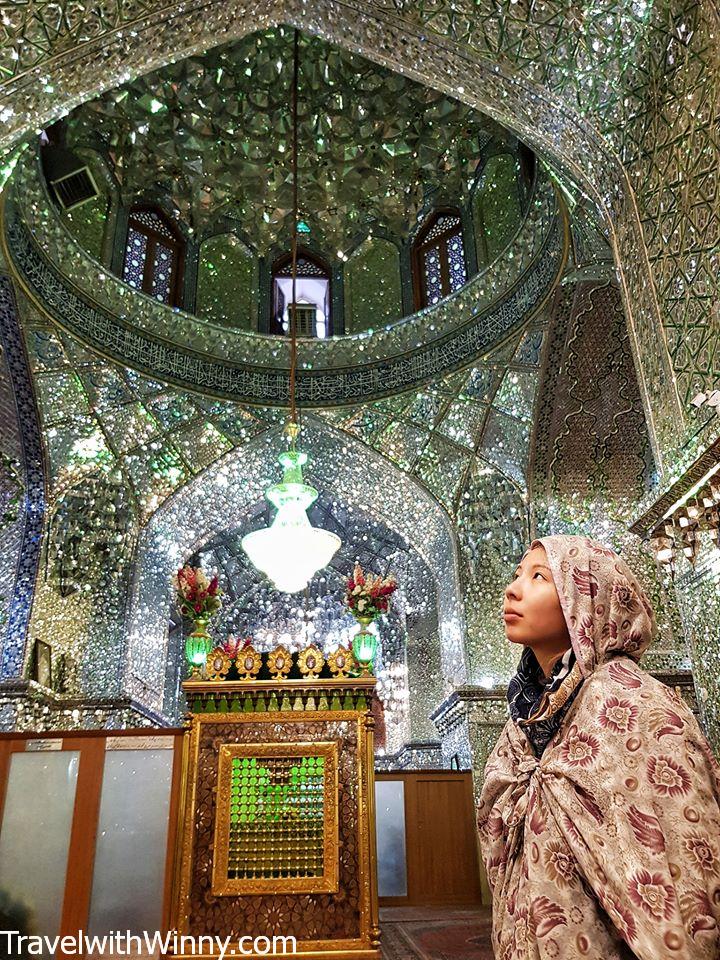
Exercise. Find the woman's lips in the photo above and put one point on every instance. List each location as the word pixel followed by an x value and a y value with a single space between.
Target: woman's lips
pixel 510 615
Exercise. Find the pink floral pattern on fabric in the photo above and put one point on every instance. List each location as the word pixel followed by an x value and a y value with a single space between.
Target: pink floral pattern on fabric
pixel 580 749
pixel 596 586
pixel 704 852
pixel 669 779
pixel 653 893
pixel 625 597
pixel 609 844
pixel 618 714
pixel 647 830
pixel 624 676
pixel 545 916
pixel 585 632
pixel 621 915
pixel 560 864
pixel 665 722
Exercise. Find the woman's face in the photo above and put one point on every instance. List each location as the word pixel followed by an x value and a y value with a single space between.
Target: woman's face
pixel 532 612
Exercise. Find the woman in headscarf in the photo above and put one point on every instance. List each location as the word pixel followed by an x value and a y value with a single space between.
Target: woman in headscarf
pixel 599 817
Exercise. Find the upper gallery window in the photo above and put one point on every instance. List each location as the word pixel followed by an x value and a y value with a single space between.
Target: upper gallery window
pixel 439 258
pixel 312 294
pixel 154 255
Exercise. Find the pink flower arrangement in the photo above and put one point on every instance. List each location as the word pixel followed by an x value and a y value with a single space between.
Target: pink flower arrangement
pixel 367 594
pixel 234 645
pixel 197 596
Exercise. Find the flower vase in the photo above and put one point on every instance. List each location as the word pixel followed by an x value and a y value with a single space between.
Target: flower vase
pixel 197 646
pixel 365 644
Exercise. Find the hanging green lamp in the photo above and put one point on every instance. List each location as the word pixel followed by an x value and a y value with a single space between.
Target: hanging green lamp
pixel 290 551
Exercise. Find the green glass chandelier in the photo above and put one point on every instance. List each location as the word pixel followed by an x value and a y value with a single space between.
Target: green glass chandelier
pixel 290 551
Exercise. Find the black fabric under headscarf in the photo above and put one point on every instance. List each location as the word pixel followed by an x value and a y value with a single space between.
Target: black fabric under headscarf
pixel 527 689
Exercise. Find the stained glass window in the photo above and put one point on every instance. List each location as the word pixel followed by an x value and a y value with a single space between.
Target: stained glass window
pixel 153 256
pixel 135 253
pixel 439 258
pixel 433 279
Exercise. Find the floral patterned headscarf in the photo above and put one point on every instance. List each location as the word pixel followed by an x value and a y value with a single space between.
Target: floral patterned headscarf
pixel 607 614
pixel 607 844
pixel 605 608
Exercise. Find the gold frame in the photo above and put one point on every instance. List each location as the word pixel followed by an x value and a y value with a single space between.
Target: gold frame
pixel 240 657
pixel 367 944
pixel 222 886
pixel 279 673
pixel 312 673
pixel 217 653
pixel 341 673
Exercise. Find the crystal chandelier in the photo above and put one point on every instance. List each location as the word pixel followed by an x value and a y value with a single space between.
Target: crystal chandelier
pixel 290 551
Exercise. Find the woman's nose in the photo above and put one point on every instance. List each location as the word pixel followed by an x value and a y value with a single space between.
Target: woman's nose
pixel 513 590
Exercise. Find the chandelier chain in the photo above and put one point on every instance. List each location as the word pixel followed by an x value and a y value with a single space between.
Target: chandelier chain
pixel 293 327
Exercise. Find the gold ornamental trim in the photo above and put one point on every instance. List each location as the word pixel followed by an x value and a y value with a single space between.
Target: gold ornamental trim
pixel 248 662
pixel 217 664
pixel 352 948
pixel 341 661
pixel 279 662
pixel 310 662
pixel 283 685
pixel 328 881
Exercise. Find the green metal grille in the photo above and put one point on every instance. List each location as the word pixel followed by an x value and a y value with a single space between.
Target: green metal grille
pixel 277 807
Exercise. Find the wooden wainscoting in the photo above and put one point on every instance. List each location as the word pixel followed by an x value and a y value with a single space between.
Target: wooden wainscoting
pixel 91 747
pixel 441 848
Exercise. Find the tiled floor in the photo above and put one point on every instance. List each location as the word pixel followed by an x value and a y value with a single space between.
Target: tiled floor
pixel 435 933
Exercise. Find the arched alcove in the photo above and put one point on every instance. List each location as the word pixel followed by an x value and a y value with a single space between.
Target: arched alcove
pixel 373 294
pixel 408 658
pixel 219 499
pixel 227 283
pixel 495 205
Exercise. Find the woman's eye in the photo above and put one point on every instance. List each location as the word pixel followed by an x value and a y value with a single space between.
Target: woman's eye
pixel 538 574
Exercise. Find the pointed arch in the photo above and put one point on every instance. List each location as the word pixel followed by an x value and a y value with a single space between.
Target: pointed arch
pixel 220 498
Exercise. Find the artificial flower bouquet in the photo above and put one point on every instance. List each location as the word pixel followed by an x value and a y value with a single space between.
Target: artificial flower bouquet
pixel 198 598
pixel 367 595
pixel 234 646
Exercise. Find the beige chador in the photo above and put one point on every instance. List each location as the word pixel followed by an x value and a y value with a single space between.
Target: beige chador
pixel 607 845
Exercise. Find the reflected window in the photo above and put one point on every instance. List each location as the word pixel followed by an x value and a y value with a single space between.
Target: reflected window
pixel 439 258
pixel 496 206
pixel 372 291
pixel 153 255
pixel 312 292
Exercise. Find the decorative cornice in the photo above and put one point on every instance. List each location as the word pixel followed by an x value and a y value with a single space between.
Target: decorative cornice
pixel 280 696
pixel 19 693
pixel 466 699
pixel 129 328
pixel 705 462
pixel 423 755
